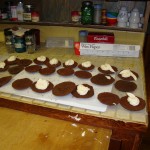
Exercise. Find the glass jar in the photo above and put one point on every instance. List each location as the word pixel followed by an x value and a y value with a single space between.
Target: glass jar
pixel 87 12
pixel 97 13
pixel 27 13
pixel 83 35
pixel 75 16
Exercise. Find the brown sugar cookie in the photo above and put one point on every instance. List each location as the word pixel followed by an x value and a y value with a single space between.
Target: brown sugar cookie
pixel 36 61
pixel 108 71
pixel 101 79
pixel 33 68
pixel 53 65
pixel 21 84
pixel 83 74
pixel 47 70
pixel 108 98
pixel 65 71
pixel 15 62
pixel 128 78
pixel 86 68
pixel 125 104
pixel 49 88
pixel 125 86
pixel 63 88
pixel 15 69
pixel 89 94
pixel 24 62
pixel 5 80
pixel 70 66
pixel 5 68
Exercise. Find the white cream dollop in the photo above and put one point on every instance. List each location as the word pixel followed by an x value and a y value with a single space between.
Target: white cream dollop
pixel 82 90
pixel 86 64
pixel 41 84
pixel 2 65
pixel 127 73
pixel 132 99
pixel 41 58
pixel 53 61
pixel 106 67
pixel 69 62
pixel 11 58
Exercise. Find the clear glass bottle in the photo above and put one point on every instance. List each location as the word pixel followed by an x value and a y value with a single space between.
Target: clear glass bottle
pixel 20 11
pixel 87 12
pixel 97 13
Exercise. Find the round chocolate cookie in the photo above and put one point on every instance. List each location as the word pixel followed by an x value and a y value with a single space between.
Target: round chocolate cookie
pixel 89 94
pixel 15 62
pixel 86 68
pixel 47 71
pixel 65 71
pixel 5 68
pixel 71 66
pixel 50 87
pixel 101 79
pixel 21 84
pixel 54 65
pixel 125 104
pixel 128 78
pixel 41 62
pixel 15 69
pixel 125 86
pixel 63 88
pixel 108 71
pixel 33 68
pixel 83 74
pixel 24 62
pixel 108 98
pixel 5 80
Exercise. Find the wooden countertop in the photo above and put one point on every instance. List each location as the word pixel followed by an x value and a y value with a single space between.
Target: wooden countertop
pixel 116 112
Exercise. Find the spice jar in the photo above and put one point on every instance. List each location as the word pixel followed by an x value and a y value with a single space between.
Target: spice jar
pixel 83 35
pixel 35 17
pixel 97 13
pixel 27 13
pixel 103 17
pixel 87 12
pixel 75 16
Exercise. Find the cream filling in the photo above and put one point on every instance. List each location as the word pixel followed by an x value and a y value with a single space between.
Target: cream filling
pixel 107 67
pixel 11 58
pixel 132 99
pixel 82 90
pixel 69 62
pixel 41 84
pixel 53 61
pixel 127 73
pixel 2 65
pixel 41 58
pixel 86 64
pixel 108 77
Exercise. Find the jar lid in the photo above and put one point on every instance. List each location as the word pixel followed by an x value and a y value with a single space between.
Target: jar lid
pixel 97 6
pixel 87 3
pixel 75 13
pixel 28 6
pixel 83 32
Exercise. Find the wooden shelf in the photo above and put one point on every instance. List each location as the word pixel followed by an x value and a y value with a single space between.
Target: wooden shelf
pixel 45 23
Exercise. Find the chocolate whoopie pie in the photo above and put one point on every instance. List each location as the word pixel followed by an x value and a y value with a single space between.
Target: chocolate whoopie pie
pixel 5 80
pixel 65 71
pixel 54 65
pixel 24 62
pixel 70 66
pixel 21 84
pixel 108 71
pixel 89 94
pixel 5 68
pixel 125 104
pixel 15 62
pixel 49 88
pixel 15 69
pixel 47 71
pixel 63 88
pixel 86 68
pixel 36 61
pixel 101 79
pixel 108 98
pixel 128 78
pixel 125 86
pixel 33 68
pixel 83 74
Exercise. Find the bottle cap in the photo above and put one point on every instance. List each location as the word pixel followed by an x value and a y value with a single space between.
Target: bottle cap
pixel 83 32
pixel 97 6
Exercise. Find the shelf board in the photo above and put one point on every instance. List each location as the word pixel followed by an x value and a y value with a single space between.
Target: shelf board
pixel 45 23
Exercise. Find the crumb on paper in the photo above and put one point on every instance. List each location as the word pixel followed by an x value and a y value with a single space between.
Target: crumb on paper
pixel 76 118
pixel 73 124
pixel 83 133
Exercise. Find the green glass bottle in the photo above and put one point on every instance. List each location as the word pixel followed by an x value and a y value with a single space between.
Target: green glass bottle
pixel 87 12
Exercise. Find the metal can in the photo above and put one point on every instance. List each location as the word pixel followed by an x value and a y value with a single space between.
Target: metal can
pixel 27 13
